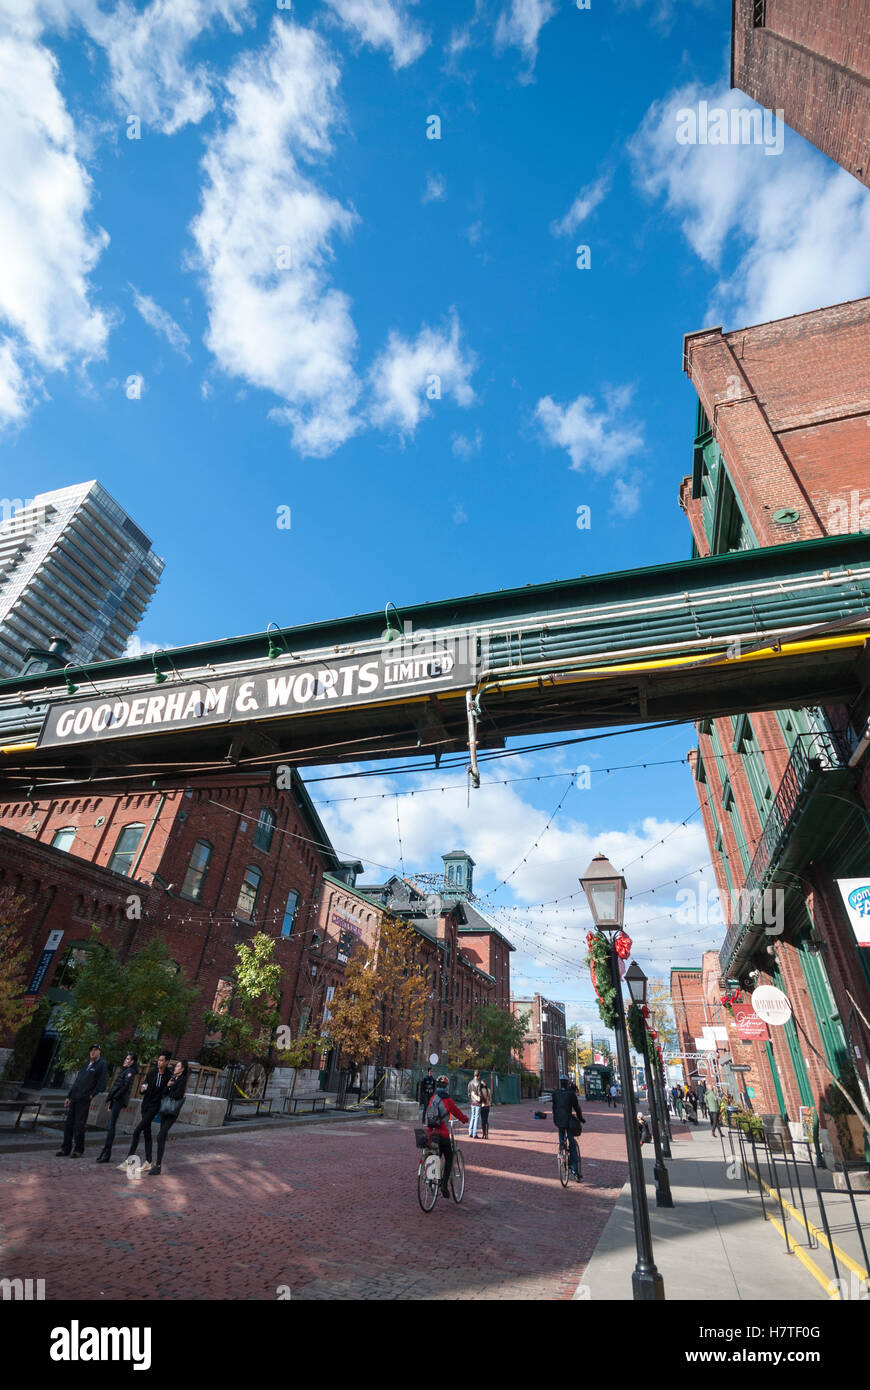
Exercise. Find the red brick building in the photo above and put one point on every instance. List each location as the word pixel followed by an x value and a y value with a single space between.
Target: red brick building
pixel 811 61
pixel 204 866
pixel 782 454
pixel 545 1046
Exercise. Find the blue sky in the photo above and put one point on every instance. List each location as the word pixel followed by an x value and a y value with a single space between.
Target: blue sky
pixel 283 261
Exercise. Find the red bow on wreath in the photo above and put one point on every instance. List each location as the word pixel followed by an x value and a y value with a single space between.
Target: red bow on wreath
pixel 622 945
pixel 645 1011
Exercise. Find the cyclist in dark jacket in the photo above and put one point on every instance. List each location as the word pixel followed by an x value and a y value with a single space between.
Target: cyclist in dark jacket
pixel 117 1099
pixel 566 1103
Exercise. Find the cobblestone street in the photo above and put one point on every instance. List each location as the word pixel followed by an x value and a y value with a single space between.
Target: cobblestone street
pixel 328 1211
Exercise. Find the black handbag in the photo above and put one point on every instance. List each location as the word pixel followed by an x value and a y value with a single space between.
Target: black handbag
pixel 575 1126
pixel 170 1106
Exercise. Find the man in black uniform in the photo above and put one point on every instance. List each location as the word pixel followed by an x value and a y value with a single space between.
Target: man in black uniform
pixel 90 1080
pixel 117 1099
pixel 566 1105
pixel 427 1091
pixel 153 1092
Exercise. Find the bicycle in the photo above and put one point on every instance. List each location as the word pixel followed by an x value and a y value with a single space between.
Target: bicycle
pixel 431 1167
pixel 564 1161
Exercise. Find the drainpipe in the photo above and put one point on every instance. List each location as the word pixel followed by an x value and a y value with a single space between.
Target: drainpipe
pixel 861 747
pixel 472 739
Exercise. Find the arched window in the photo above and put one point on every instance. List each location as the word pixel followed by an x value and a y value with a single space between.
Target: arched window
pixel 265 829
pixel 62 839
pixel 196 871
pixel 248 893
pixel 290 913
pixel 126 845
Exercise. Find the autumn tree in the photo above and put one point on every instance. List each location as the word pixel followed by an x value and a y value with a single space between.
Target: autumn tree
pixel 354 1010
pixel 13 961
pixel 403 987
pixel 661 1009
pixel 247 1019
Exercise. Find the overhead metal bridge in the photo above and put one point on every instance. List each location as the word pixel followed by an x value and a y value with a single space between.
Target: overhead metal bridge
pixel 761 629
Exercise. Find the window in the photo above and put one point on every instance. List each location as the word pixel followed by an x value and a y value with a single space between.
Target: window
pixel 62 839
pixel 290 913
pixel 759 13
pixel 125 849
pixel 747 746
pixel 330 991
pixel 196 871
pixel 248 893
pixel 265 830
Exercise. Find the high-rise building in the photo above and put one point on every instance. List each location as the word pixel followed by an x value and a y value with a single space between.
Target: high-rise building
pixel 812 62
pixel 782 454
pixel 74 567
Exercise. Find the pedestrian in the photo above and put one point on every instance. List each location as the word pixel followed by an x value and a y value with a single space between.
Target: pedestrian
pixel 88 1083
pixel 701 1099
pixel 678 1101
pixel 170 1105
pixel 427 1091
pixel 691 1106
pixel 614 1093
pixel 714 1105
pixel 153 1091
pixel 485 1103
pixel 474 1105
pixel 117 1099
pixel 643 1129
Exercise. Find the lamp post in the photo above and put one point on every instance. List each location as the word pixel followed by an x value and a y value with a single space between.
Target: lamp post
pixel 605 891
pixel 637 983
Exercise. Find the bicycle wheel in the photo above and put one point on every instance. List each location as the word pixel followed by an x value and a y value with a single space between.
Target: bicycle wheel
pixel 564 1169
pixel 427 1190
pixel 457 1177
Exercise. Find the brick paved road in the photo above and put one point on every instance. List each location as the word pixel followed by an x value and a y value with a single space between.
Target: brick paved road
pixel 330 1211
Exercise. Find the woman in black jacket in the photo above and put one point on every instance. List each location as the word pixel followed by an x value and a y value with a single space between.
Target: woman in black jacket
pixel 117 1100
pixel 170 1106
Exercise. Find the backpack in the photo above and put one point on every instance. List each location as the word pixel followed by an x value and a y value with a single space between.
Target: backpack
pixel 437 1112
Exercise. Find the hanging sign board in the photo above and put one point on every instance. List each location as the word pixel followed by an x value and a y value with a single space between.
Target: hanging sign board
pixel 855 893
pixel 751 1027
pixel 771 1004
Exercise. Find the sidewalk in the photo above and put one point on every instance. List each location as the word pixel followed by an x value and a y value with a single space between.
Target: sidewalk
pixel 714 1244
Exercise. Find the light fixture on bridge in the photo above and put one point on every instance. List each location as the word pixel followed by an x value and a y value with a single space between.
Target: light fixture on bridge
pixel 390 633
pixel 159 676
pixel 274 649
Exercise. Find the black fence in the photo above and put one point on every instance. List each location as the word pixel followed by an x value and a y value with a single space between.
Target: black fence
pixel 782 1170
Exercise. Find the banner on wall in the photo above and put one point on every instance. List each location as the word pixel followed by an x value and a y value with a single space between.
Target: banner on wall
pixel 855 893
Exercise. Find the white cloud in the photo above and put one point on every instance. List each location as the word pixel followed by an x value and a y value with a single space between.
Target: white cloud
pixel 661 12
pixel 801 227
pixel 520 25
pixel 586 202
pixel 147 51
pixel 466 446
pixel 383 24
pixel 47 249
pixel 409 374
pixel 136 647
pixel 205 389
pixel 598 438
pixel 459 514
pixel 264 240
pixel 435 190
pixel 626 496
pixel 161 321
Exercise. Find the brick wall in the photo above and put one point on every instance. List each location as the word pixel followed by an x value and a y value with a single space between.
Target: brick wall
pixel 812 61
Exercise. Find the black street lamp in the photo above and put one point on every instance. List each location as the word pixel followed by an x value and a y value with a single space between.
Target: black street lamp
pixel 637 983
pixel 605 892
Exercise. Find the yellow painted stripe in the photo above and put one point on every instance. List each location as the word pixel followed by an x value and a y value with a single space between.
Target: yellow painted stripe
pixel 818 1275
pixel 808 1226
pixel 17 748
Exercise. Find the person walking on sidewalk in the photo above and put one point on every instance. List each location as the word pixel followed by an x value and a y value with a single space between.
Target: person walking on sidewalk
pixel 89 1082
pixel 714 1105
pixel 427 1091
pixel 170 1105
pixel 678 1101
pixel 153 1092
pixel 702 1101
pixel 691 1106
pixel 614 1093
pixel 474 1105
pixel 485 1103
pixel 117 1099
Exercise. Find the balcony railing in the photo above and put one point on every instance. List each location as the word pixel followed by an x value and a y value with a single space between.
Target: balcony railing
pixel 813 756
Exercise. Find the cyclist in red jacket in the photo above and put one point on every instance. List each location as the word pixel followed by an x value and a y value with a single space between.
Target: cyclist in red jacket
pixel 440 1107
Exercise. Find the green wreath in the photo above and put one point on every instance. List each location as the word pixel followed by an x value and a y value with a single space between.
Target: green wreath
pixel 598 961
pixel 636 1027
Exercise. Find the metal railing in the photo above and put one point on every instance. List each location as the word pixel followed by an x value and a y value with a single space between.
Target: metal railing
pixel 772 1164
pixel 812 757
